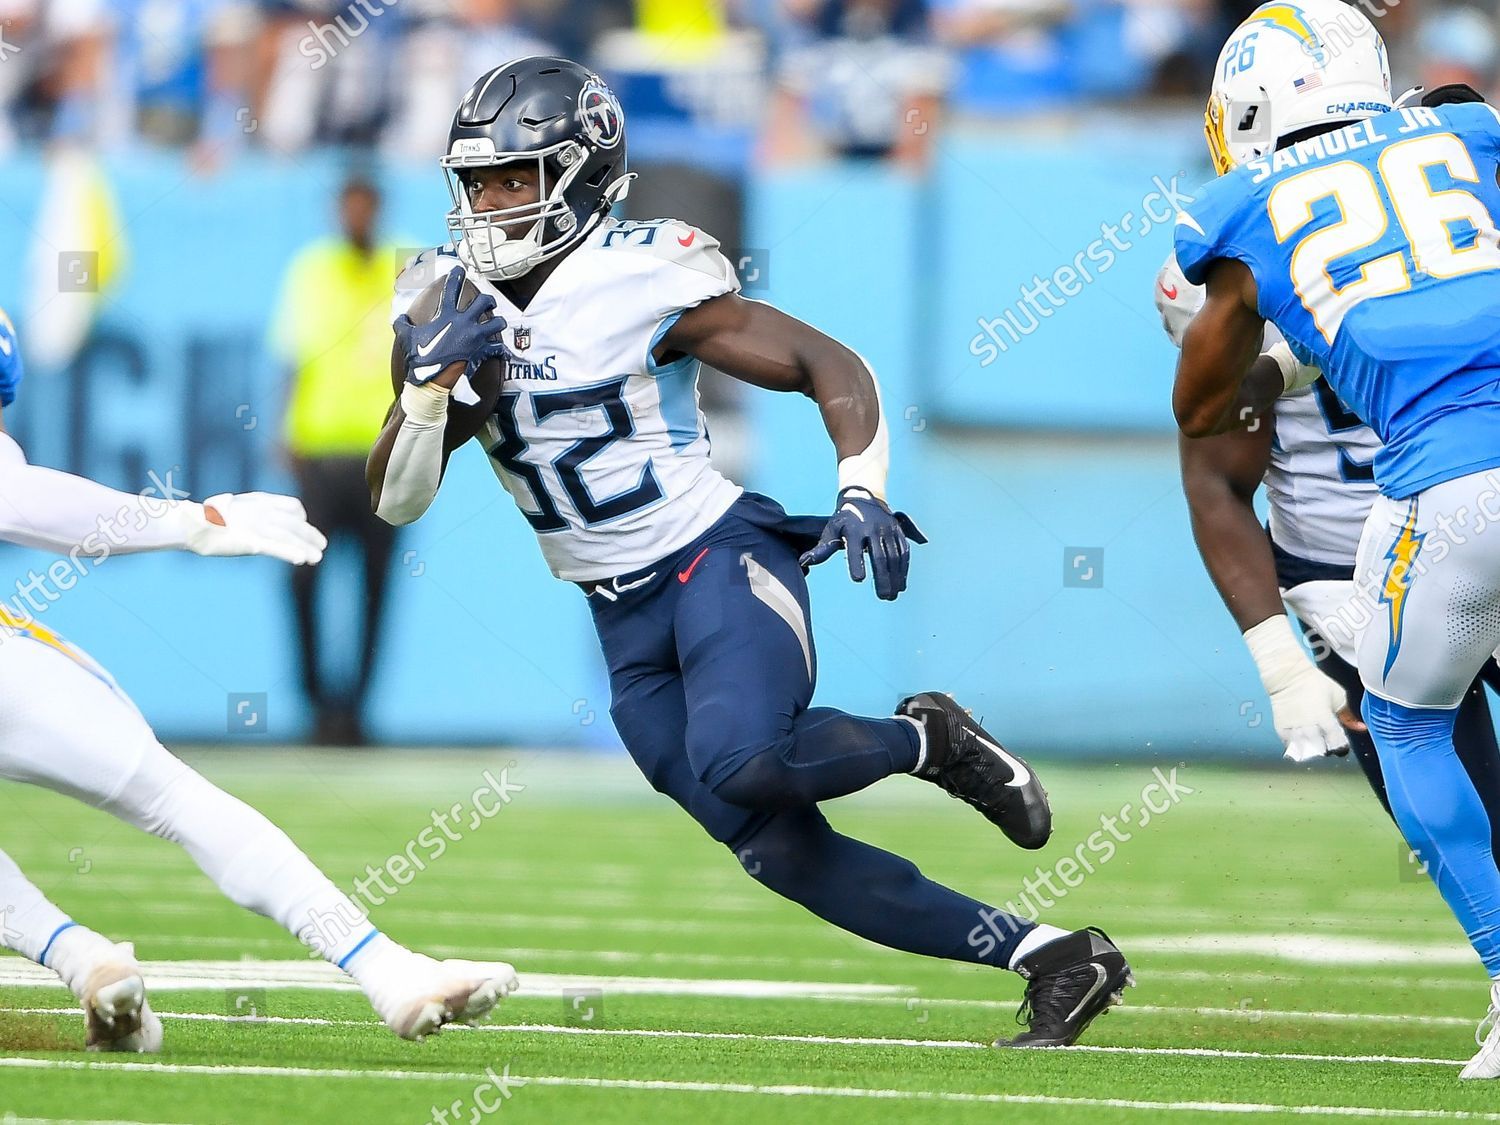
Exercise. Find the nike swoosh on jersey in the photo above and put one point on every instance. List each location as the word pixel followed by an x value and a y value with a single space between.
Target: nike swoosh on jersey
pixel 1171 293
pixel 1022 774
pixel 1186 220
pixel 688 241
pixel 684 575
pixel 1103 975
pixel 423 353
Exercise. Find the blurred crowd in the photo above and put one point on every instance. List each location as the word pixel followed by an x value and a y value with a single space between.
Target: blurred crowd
pixel 764 79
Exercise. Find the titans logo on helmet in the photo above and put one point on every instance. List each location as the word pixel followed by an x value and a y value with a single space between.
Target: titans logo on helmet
pixel 599 111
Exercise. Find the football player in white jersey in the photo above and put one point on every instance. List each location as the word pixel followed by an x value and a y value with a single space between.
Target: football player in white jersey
pixel 65 725
pixel 1315 458
pixel 697 588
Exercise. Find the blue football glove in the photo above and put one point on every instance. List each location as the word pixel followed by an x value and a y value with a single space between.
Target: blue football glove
pixel 10 361
pixel 453 335
pixel 863 525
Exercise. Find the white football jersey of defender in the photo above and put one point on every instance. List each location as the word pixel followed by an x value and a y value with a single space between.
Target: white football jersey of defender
pixel 604 450
pixel 1321 480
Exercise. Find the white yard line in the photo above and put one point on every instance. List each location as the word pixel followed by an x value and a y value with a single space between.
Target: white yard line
pixel 519 1082
pixel 166 976
pixel 1314 949
pixel 1292 975
pixel 812 1040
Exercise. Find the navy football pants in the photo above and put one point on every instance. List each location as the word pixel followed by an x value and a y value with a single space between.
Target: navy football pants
pixel 712 665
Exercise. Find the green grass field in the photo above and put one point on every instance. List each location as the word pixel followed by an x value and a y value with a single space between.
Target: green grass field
pixel 1289 963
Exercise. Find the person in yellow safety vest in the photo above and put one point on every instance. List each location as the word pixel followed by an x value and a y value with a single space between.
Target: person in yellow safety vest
pixel 332 332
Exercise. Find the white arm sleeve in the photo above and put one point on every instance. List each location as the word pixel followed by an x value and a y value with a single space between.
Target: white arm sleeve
pixel 55 511
pixel 415 468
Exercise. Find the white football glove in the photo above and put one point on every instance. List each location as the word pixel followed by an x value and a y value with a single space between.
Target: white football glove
pixel 1305 704
pixel 255 523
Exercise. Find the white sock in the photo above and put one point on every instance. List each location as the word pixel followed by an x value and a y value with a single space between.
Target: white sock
pixel 74 954
pixel 921 743
pixel 1034 941
pixel 378 961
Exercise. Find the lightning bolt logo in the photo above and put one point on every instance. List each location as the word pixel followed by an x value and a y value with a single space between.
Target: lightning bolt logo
pixel 1293 20
pixel 1398 579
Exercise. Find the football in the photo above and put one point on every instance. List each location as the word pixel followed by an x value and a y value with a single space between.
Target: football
pixel 464 420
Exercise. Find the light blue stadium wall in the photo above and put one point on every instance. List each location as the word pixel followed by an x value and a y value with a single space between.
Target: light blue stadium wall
pixel 1065 441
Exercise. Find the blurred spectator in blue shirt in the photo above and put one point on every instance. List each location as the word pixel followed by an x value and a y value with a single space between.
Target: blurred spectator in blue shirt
pixel 866 82
pixel 1022 56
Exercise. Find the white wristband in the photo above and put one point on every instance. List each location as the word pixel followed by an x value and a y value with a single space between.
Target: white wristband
pixel 869 468
pixel 424 403
pixel 1295 375
pixel 1278 656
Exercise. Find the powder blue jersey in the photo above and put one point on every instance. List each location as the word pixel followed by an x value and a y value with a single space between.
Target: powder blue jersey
pixel 1375 252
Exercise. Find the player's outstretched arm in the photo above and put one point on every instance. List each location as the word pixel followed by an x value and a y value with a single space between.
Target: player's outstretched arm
pixel 1222 379
pixel 761 345
pixel 54 511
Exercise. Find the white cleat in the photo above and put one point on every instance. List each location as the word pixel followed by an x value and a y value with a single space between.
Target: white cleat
pixel 426 994
pixel 115 1009
pixel 1486 1061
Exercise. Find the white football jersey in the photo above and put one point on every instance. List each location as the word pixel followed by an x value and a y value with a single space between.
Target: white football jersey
pixel 1321 481
pixel 604 450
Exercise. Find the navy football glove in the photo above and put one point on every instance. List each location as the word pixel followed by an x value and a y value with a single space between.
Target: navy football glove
pixel 453 335
pixel 863 525
pixel 10 361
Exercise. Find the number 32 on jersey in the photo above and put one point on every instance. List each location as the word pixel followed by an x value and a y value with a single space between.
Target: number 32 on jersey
pixel 1449 232
pixel 567 467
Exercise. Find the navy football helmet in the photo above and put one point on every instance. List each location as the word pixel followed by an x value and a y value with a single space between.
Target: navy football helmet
pixel 562 117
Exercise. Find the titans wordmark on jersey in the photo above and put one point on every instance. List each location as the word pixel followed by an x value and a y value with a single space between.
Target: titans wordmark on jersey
pixel 1375 252
pixel 604 450
pixel 1321 481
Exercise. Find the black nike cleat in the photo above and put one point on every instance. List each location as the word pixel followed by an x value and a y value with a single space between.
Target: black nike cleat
pixel 967 763
pixel 1069 982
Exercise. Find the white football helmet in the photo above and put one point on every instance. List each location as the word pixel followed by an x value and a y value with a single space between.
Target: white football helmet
pixel 1289 67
